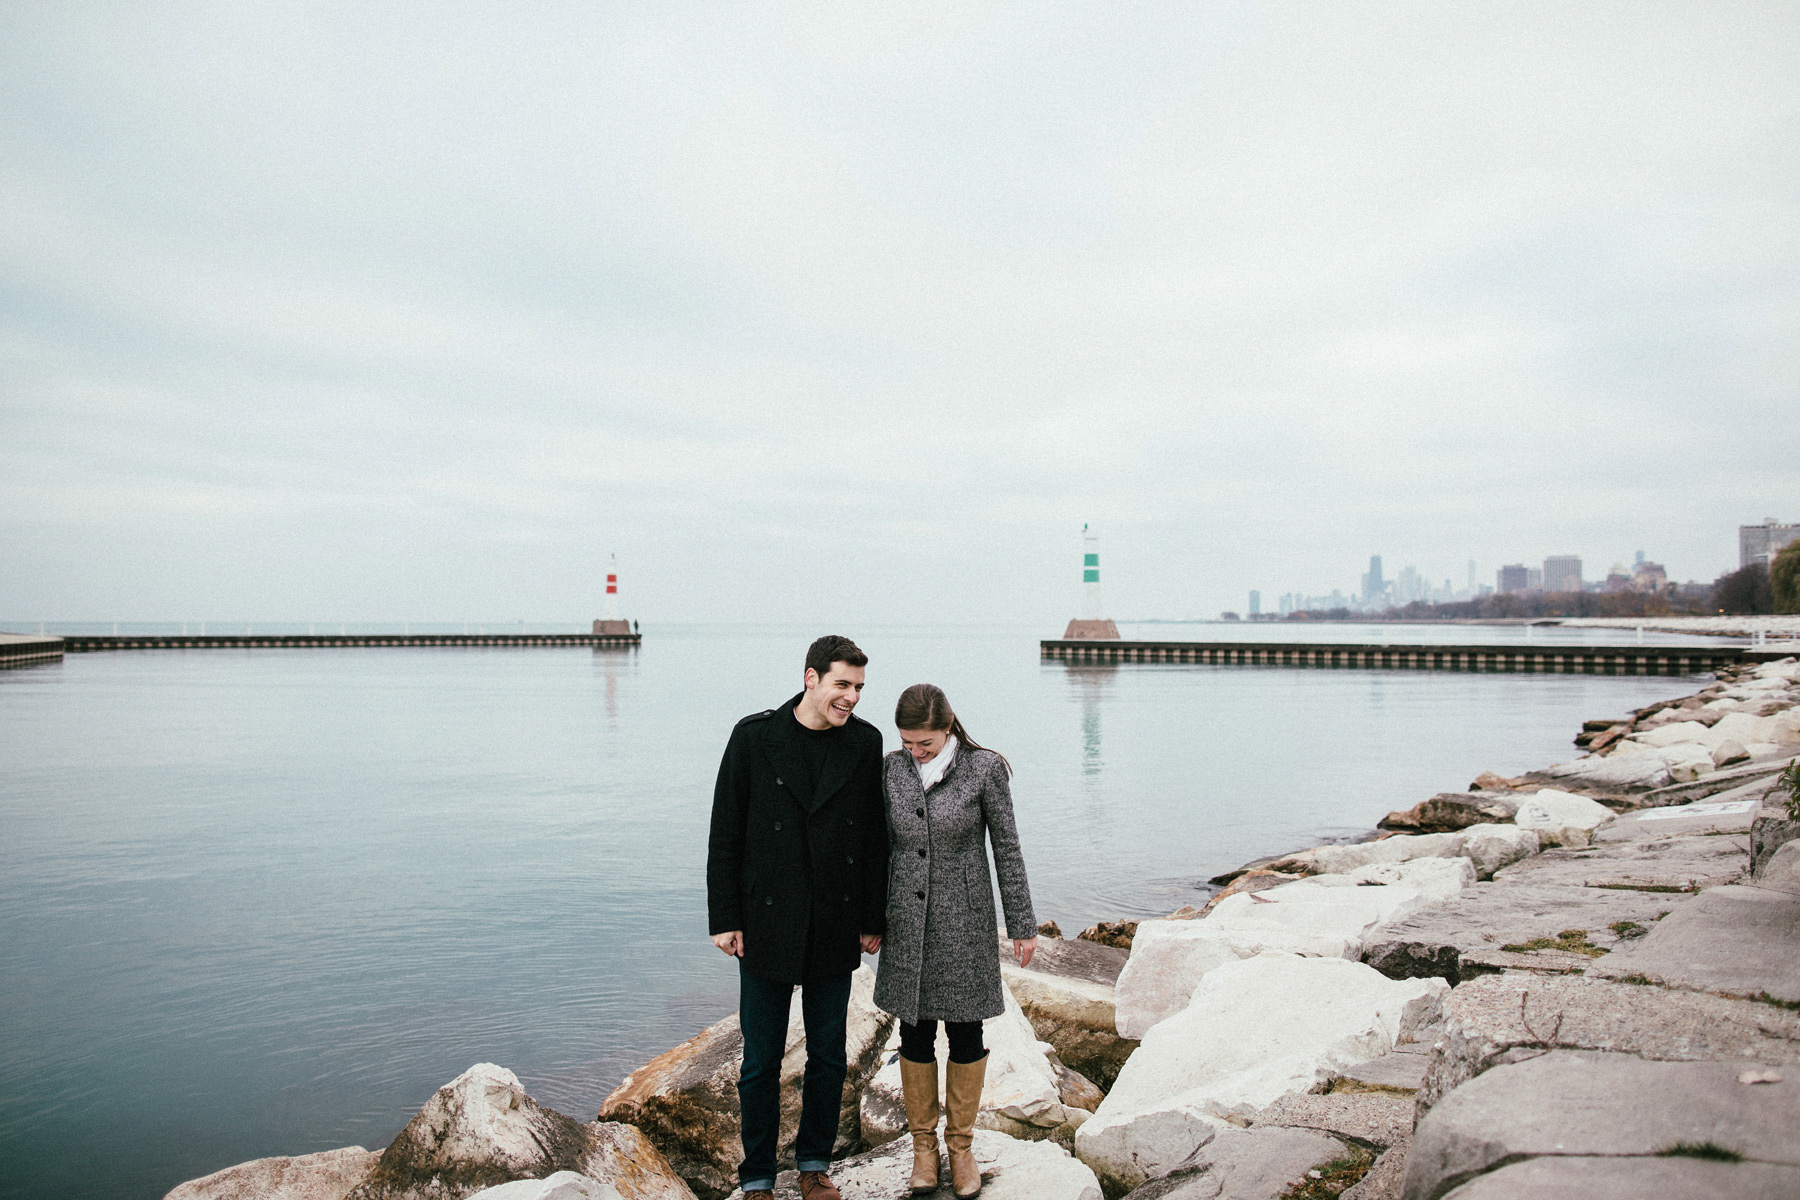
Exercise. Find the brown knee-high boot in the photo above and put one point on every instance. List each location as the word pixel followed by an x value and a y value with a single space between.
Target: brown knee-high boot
pixel 919 1086
pixel 962 1100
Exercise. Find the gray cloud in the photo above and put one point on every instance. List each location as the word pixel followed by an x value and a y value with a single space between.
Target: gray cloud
pixel 399 312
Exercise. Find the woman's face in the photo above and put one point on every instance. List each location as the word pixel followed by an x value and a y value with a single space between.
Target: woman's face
pixel 923 744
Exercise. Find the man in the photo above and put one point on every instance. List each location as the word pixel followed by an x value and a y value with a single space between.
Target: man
pixel 796 890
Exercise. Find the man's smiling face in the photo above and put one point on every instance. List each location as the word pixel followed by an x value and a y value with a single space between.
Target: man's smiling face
pixel 831 697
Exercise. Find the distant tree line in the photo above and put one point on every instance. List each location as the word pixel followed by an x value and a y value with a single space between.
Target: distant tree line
pixel 1529 605
pixel 1758 589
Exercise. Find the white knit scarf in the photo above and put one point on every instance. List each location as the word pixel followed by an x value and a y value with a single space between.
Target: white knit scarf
pixel 931 772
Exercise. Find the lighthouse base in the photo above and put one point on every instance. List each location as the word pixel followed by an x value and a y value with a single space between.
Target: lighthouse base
pixel 1090 629
pixel 618 627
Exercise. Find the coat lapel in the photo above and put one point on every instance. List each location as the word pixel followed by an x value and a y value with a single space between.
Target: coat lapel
pixel 782 747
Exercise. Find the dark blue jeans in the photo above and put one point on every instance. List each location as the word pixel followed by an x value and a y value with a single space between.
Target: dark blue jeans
pixel 763 1014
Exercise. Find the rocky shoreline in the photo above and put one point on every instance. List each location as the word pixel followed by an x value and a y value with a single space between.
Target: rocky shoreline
pixel 1583 981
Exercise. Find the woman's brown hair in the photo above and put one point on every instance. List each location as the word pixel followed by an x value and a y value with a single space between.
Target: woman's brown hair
pixel 924 706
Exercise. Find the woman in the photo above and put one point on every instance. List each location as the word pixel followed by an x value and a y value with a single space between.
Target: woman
pixel 946 796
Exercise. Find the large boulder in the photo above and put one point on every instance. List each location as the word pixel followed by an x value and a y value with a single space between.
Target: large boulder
pixel 1503 1018
pixel 1323 916
pixel 1561 818
pixel 1069 995
pixel 1731 940
pixel 1255 1030
pixel 1646 862
pixel 1491 847
pixel 686 1098
pixel 481 1130
pixel 1469 934
pixel 1021 1093
pixel 326 1175
pixel 1618 1107
pixel 1247 1164
pixel 1010 1170
pixel 1447 812
pixel 564 1185
pixel 1678 732
pixel 1170 958
pixel 1488 846
pixel 1338 860
pixel 1625 772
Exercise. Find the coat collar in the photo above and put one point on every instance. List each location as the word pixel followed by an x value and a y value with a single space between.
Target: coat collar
pixel 781 744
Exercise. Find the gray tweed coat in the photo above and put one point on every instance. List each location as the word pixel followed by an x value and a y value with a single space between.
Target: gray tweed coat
pixel 939 959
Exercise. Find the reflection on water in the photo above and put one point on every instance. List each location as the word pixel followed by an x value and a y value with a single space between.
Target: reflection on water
pixel 265 902
pixel 614 661
pixel 1091 683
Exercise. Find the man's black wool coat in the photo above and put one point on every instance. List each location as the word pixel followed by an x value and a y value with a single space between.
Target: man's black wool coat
pixel 803 875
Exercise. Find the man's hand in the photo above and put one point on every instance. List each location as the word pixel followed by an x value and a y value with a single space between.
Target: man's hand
pixel 1023 949
pixel 871 943
pixel 731 943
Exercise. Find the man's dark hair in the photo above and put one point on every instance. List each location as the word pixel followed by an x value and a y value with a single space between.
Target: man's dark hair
pixel 833 648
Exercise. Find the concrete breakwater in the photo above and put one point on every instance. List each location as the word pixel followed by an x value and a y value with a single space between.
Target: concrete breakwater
pixel 87 643
pixel 1561 983
pixel 1570 659
pixel 21 649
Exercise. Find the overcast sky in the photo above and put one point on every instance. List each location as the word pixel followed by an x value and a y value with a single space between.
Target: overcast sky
pixel 857 313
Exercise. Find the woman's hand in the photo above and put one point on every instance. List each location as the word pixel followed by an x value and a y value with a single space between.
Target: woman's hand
pixel 871 943
pixel 731 943
pixel 1023 949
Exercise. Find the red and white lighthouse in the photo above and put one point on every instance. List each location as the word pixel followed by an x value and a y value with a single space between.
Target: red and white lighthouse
pixel 612 623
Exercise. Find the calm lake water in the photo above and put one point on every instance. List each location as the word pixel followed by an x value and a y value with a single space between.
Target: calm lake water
pixel 266 902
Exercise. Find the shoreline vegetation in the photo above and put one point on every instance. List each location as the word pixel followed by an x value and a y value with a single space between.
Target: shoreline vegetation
pixel 1586 974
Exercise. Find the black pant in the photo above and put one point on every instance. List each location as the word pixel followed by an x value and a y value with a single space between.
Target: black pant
pixel 918 1041
pixel 763 1014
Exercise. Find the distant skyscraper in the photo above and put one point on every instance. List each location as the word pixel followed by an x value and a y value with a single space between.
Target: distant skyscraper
pixel 1372 584
pixel 1512 578
pixel 1255 602
pixel 1562 573
pixel 1761 543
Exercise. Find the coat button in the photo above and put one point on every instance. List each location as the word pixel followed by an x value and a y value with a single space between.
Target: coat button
pixel 768 899
pixel 920 895
pixel 849 820
pixel 778 782
pixel 921 812
pixel 846 899
pixel 850 858
pixel 778 827
pixel 921 854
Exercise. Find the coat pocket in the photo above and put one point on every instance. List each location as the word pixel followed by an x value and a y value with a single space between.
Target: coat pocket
pixel 980 889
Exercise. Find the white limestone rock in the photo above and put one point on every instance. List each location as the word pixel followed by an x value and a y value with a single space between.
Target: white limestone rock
pixel 564 1185
pixel 1169 958
pixel 1010 1170
pixel 326 1175
pixel 1563 818
pixel 482 1127
pixel 1621 770
pixel 1339 860
pixel 1255 1030
pixel 1729 751
pixel 686 1097
pixel 1433 878
pixel 1491 847
pixel 1675 733
pixel 1020 1093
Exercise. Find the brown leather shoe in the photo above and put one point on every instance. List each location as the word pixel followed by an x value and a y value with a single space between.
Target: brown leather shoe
pixel 816 1185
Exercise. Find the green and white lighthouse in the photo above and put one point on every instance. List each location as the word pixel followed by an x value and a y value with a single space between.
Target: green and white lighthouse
pixel 1090 624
